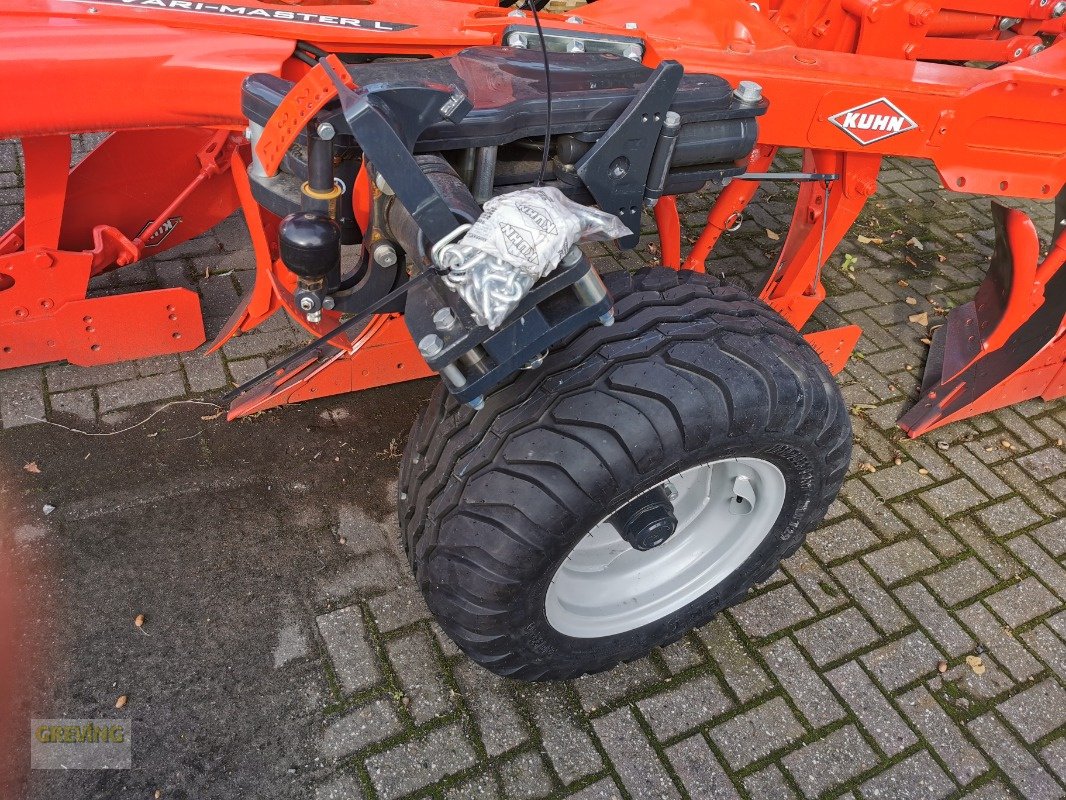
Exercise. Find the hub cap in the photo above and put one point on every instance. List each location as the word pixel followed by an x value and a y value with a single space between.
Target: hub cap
pixel 724 511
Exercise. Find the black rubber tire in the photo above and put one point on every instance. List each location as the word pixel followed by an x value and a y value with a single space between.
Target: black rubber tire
pixel 692 371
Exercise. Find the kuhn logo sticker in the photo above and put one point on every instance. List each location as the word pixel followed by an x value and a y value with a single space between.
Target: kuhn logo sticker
pixel 871 122
pixel 161 233
pixel 254 12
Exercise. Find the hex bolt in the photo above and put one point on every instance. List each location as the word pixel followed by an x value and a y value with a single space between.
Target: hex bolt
pixel 575 20
pixel 1058 9
pixel 671 491
pixel 1036 48
pixel 307 304
pixel 430 345
pixel 385 254
pixel 444 319
pixel 518 40
pixel 477 403
pixel 314 317
pixel 328 303
pixel 607 318
pixel 633 53
pixel 1008 22
pixel 631 26
pixel 748 92
pixel 326 131
pixel 575 46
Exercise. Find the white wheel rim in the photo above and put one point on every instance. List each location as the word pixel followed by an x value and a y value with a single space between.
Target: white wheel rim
pixel 724 510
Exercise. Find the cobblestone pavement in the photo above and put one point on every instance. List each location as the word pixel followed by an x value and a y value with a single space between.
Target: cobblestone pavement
pixel 914 648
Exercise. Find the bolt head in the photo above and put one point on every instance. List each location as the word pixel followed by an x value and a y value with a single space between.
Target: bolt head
pixel 631 26
pixel 575 46
pixel 430 345
pixel 444 319
pixel 575 20
pixel 518 40
pixel 748 92
pixel 633 53
pixel 1018 53
pixel 306 304
pixel 385 254
pixel 326 131
pixel 516 12
pixel 1058 9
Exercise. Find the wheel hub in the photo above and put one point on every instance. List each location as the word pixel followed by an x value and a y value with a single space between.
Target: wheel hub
pixel 646 521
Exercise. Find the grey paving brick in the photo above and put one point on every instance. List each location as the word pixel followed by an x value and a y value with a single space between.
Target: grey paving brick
pixel 1042 565
pixel 746 678
pixel 937 622
pixel 604 789
pixel 769 784
pixel 1052 537
pixel 489 698
pixel 421 762
pixel 813 581
pixel 900 560
pixel 1022 601
pixel 80 404
pixel 822 765
pixel 939 731
pixel 699 771
pixel 903 661
pixel 205 372
pixel 525 777
pixel 1008 516
pixel 1037 711
pixel 605 687
pixel 757 733
pixel 1048 648
pixel 682 654
pixel 878 604
pixel 66 377
pixel 140 391
pixel 959 582
pixel 569 747
pixel 416 666
pixel 364 726
pixel 1026 487
pixel 841 539
pixel 340 787
pixel 21 397
pixel 870 707
pixel 929 529
pixel 954 497
pixel 974 469
pixel 898 480
pixel 637 764
pixel 1024 771
pixel 679 709
pixel 773 611
pixel 987 549
pixel 354 660
pixel 916 776
pixel 477 787
pixel 1043 464
pixel 398 608
pixel 1055 756
pixel 836 637
pixel 803 685
pixel 876 513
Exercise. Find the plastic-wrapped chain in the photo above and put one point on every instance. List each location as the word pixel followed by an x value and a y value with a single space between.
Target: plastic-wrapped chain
pixel 518 239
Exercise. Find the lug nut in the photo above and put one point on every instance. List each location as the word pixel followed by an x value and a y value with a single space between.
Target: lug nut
pixel 385 254
pixel 748 92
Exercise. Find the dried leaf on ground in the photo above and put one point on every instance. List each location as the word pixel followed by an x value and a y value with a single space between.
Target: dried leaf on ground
pixel 32 467
pixel 121 701
pixel 919 319
pixel 870 239
pixel 139 620
pixel 773 236
pixel 976 664
pixel 913 242
pixel 911 301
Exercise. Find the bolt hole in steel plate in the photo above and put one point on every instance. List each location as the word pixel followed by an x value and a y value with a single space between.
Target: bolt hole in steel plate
pixel 724 510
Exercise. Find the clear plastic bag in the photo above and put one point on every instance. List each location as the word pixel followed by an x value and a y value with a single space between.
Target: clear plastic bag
pixel 519 238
